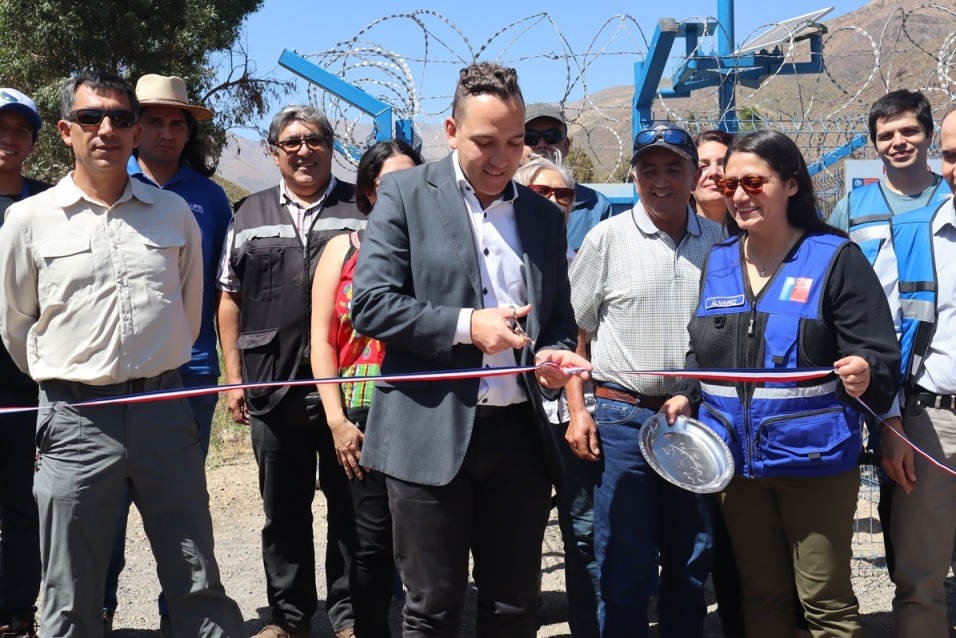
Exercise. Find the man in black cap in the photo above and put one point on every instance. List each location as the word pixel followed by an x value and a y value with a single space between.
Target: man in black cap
pixel 20 543
pixel 546 134
pixel 634 288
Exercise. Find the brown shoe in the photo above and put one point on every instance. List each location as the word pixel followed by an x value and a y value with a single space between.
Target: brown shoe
pixel 275 631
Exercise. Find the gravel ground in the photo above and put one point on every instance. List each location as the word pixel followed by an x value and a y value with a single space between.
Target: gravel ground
pixel 237 517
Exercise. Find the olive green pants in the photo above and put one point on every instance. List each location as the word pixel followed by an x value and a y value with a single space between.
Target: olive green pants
pixel 795 533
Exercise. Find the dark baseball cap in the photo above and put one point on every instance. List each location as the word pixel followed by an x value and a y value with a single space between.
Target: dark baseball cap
pixel 543 109
pixel 672 138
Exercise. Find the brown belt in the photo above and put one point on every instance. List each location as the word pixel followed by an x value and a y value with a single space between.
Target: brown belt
pixel 633 398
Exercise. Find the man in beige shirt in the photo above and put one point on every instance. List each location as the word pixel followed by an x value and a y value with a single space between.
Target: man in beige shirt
pixel 102 297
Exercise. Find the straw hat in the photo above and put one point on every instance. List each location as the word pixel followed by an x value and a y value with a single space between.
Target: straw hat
pixel 161 90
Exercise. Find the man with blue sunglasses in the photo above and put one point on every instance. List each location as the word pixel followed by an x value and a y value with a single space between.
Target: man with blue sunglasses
pixel 634 287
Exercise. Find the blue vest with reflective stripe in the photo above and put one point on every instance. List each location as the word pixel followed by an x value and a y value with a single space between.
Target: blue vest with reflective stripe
pixel 785 428
pixel 912 236
pixel 869 215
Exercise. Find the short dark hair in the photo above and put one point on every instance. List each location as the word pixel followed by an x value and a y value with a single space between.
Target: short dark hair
pixel 98 82
pixel 371 165
pixel 713 135
pixel 900 101
pixel 783 156
pixel 484 78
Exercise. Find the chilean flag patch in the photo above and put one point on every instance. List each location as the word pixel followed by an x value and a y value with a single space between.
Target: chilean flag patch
pixel 796 289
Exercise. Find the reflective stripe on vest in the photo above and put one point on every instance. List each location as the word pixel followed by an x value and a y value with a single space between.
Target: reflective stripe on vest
pixel 869 215
pixel 783 428
pixel 913 244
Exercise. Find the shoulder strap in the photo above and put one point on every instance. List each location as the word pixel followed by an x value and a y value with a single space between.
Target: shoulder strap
pixel 355 238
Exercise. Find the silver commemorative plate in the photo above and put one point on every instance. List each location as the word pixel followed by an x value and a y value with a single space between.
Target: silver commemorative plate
pixel 688 454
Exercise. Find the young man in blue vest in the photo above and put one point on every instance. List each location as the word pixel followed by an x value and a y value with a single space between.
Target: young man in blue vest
pixel 901 129
pixel 920 283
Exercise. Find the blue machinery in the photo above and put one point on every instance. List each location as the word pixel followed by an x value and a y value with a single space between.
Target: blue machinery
pixel 724 70
pixel 380 112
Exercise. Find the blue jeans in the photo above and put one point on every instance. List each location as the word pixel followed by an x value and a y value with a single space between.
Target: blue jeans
pixel 203 408
pixel 638 515
pixel 576 520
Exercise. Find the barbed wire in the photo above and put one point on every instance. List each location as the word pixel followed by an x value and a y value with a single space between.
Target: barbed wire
pixel 411 61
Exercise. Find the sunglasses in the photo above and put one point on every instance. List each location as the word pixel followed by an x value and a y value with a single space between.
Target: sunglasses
pixel 752 184
pixel 564 196
pixel 293 144
pixel 674 136
pixel 119 118
pixel 551 136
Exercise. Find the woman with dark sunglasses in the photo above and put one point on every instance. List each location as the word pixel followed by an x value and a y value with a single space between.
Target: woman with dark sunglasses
pixel 337 350
pixel 788 291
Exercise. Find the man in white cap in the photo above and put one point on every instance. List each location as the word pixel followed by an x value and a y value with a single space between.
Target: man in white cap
pixel 173 156
pixel 20 541
pixel 546 134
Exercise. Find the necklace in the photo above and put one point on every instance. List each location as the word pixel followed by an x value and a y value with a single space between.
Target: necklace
pixel 762 270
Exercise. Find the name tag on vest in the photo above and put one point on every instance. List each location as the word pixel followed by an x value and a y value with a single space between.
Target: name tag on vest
pixel 723 302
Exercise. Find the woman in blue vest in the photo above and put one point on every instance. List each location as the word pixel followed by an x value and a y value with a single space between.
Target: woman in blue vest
pixel 789 291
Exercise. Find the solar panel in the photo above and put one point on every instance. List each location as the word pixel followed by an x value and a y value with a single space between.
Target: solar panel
pixel 783 31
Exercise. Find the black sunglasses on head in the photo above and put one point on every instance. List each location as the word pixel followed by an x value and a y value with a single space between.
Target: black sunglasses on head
pixel 119 118
pixel 551 136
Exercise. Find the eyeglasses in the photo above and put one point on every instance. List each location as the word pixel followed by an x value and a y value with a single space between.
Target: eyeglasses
pixel 119 118
pixel 551 136
pixel 564 196
pixel 314 142
pixel 752 184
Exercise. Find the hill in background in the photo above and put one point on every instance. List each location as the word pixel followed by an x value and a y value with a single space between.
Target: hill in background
pixel 881 46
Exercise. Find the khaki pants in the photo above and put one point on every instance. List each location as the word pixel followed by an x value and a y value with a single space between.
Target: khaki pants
pixel 88 456
pixel 795 533
pixel 923 526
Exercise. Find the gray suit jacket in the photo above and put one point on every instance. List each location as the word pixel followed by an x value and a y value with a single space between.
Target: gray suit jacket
pixel 418 267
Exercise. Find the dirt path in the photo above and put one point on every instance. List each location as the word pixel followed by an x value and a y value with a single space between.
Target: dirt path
pixel 237 517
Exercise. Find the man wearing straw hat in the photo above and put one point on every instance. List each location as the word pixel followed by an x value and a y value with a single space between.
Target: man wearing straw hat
pixel 102 300
pixel 173 156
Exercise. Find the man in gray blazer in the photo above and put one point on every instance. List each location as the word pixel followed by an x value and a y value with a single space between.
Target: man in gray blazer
pixel 461 268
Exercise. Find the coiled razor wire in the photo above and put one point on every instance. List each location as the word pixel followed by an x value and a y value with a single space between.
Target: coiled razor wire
pixel 411 60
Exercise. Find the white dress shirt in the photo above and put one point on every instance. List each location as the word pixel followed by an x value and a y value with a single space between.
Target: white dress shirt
pixel 500 261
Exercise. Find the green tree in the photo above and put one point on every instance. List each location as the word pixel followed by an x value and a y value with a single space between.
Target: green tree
pixel 43 42
pixel 581 165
